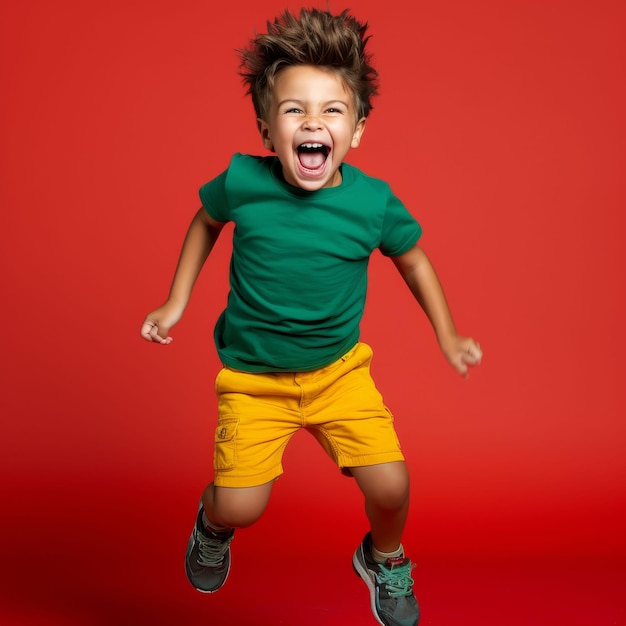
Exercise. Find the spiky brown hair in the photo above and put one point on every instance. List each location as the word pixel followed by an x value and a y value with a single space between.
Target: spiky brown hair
pixel 316 37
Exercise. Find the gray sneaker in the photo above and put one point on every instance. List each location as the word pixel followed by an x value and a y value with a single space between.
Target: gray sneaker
pixel 390 585
pixel 207 561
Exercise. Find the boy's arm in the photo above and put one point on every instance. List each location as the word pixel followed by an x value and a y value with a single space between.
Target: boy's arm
pixel 420 276
pixel 201 237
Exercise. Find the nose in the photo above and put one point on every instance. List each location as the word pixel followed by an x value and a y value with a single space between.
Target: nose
pixel 312 122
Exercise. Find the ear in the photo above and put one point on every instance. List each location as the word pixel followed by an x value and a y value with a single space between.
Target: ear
pixel 264 129
pixel 358 133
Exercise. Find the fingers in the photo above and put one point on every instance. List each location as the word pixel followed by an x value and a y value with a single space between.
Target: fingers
pixel 150 332
pixel 471 355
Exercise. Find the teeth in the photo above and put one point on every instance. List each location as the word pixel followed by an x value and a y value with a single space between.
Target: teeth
pixel 312 146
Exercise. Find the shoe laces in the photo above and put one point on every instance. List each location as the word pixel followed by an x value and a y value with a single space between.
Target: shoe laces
pixel 396 578
pixel 211 550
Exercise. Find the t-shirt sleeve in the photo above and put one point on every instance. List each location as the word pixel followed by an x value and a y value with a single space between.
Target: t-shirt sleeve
pixel 214 198
pixel 400 230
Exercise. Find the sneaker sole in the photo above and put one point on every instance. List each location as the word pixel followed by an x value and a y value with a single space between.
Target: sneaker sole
pixel 364 574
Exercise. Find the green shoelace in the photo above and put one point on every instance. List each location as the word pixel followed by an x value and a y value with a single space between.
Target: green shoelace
pixel 397 579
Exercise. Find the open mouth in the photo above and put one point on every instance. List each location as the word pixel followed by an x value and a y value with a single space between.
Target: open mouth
pixel 312 156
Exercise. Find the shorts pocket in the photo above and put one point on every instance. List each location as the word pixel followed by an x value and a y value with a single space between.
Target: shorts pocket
pixel 225 443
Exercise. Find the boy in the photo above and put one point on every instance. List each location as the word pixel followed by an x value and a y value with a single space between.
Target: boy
pixel 306 224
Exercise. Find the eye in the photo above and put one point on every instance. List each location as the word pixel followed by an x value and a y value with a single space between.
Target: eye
pixel 295 110
pixel 334 110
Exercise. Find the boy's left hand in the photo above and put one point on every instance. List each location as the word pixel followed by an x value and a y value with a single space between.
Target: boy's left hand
pixel 462 353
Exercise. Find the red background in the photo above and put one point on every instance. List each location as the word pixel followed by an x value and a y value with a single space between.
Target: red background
pixel 501 126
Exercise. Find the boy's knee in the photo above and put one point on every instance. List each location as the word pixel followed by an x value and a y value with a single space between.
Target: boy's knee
pixel 393 496
pixel 385 486
pixel 238 517
pixel 237 508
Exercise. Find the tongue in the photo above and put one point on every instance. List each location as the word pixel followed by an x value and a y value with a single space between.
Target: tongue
pixel 312 160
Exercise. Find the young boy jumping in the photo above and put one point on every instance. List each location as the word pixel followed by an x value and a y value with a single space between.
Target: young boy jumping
pixel 306 224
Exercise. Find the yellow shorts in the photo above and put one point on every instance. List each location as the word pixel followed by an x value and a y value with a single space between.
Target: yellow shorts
pixel 338 404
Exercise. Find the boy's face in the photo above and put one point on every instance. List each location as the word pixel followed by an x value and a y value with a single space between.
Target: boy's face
pixel 311 124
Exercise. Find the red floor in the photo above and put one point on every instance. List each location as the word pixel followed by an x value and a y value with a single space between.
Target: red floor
pixel 124 570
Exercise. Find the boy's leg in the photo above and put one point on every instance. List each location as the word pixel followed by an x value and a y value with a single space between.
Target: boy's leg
pixel 380 560
pixel 386 490
pixel 222 509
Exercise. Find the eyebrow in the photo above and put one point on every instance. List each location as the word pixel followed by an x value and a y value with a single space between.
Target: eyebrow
pixel 301 102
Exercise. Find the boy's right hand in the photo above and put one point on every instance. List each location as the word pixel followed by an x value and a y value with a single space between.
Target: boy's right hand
pixel 156 326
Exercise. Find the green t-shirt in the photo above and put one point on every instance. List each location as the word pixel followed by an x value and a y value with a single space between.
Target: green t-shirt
pixel 298 271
